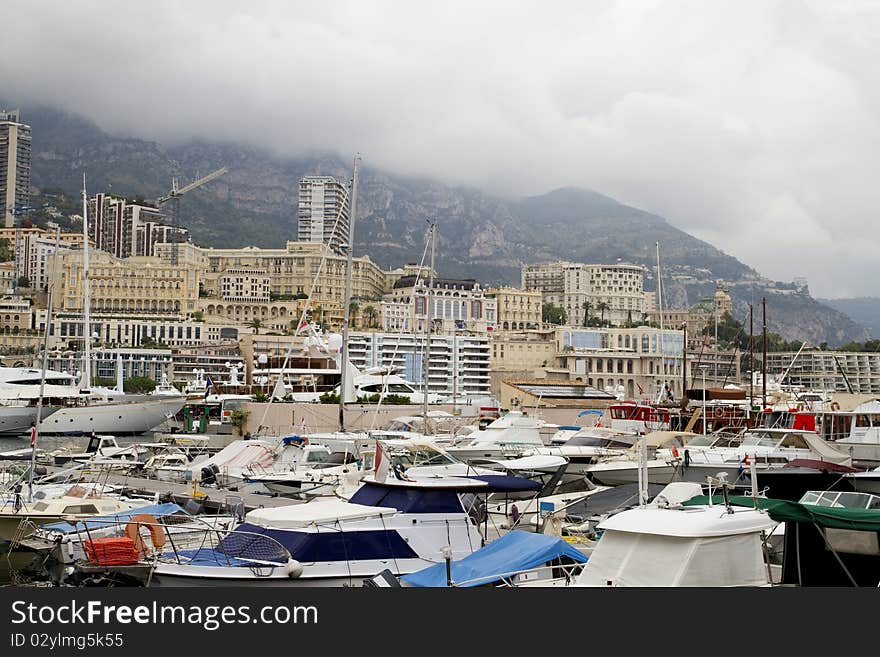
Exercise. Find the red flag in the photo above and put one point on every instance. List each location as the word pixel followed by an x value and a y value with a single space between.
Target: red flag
pixel 33 435
pixel 301 327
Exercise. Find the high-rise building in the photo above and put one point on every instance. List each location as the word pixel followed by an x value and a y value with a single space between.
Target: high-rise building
pixel 323 214
pixel 15 164
pixel 126 229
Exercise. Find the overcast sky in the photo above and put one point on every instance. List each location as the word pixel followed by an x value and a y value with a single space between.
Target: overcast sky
pixel 753 125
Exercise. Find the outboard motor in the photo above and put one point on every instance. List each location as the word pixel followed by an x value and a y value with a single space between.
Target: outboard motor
pixel 209 475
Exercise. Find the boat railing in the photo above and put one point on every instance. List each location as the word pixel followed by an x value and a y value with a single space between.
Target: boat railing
pixel 563 572
pixel 200 545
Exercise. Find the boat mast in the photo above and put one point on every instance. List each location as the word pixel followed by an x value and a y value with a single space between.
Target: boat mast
pixel 764 358
pixel 751 357
pixel 36 429
pixel 429 319
pixel 86 381
pixel 343 366
pixel 660 304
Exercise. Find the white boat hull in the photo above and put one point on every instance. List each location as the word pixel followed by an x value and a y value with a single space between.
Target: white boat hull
pixel 18 420
pixel 114 417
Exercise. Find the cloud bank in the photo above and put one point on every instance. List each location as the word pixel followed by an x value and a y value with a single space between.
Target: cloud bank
pixel 752 125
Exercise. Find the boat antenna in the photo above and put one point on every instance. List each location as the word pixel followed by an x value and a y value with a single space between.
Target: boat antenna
pixel 35 431
pixel 343 354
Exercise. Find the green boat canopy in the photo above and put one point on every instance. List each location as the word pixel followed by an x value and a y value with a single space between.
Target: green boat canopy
pixel 866 520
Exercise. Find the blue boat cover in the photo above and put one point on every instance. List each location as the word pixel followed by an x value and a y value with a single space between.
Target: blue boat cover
pixel 507 484
pixel 513 552
pixel 590 411
pixel 97 522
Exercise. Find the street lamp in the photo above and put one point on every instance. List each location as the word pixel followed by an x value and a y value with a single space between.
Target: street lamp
pixel 703 369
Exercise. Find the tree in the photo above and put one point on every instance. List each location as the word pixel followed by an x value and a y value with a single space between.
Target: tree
pixel 352 312
pixel 238 419
pixel 24 281
pixel 259 396
pixel 139 385
pixel 587 308
pixel 370 315
pixel 198 316
pixel 553 314
pixel 629 319
pixel 5 250
pixel 602 307
pixel 255 324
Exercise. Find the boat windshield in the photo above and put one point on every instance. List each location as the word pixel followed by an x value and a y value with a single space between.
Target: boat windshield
pixel 412 458
pixel 318 456
pixel 760 439
pixel 596 441
pixel 392 388
pixel 846 500
pixel 701 441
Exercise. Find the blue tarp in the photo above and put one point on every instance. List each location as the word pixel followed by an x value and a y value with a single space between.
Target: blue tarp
pixel 123 516
pixel 513 552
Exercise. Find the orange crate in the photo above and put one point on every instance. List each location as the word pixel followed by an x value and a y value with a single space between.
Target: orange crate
pixel 112 551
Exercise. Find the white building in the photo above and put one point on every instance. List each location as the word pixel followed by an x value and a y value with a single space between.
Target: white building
pixel 614 293
pixel 458 364
pixel 323 212
pixel 456 305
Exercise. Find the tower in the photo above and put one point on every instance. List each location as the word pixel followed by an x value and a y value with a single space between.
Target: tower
pixel 15 164
pixel 321 200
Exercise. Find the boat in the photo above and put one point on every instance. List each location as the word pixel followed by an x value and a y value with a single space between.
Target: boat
pixel 67 542
pixel 400 525
pixel 19 518
pixel 790 459
pixel 856 431
pixel 830 537
pixel 512 559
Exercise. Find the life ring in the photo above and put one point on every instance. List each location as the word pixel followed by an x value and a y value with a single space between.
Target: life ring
pixel 675 451
pixel 719 412
pixel 132 530
pixel 835 406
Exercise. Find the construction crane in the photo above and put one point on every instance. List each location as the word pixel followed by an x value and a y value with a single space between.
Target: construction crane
pixel 174 197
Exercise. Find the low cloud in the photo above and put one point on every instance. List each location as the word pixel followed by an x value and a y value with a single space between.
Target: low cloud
pixel 749 124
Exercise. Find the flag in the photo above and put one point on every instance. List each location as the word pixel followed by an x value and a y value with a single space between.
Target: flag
pixel 381 462
pixel 459 324
pixel 208 385
pixel 641 392
pixel 303 325
pixel 33 435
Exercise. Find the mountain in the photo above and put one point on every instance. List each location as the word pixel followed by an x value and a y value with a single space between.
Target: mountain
pixel 479 235
pixel 864 310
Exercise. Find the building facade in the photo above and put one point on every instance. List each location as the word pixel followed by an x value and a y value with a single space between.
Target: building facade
pixel 323 212
pixel 828 371
pixel 244 284
pixel 629 362
pixel 126 229
pixel 16 314
pixel 294 272
pixel 137 286
pixel 15 165
pixel 517 309
pixel 457 365
pixel 150 363
pixel 449 304
pixel 610 293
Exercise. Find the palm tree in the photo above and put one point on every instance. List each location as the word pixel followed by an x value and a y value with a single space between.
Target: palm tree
pixel 587 307
pixel 602 307
pixel 370 315
pixel 255 324
pixel 352 312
